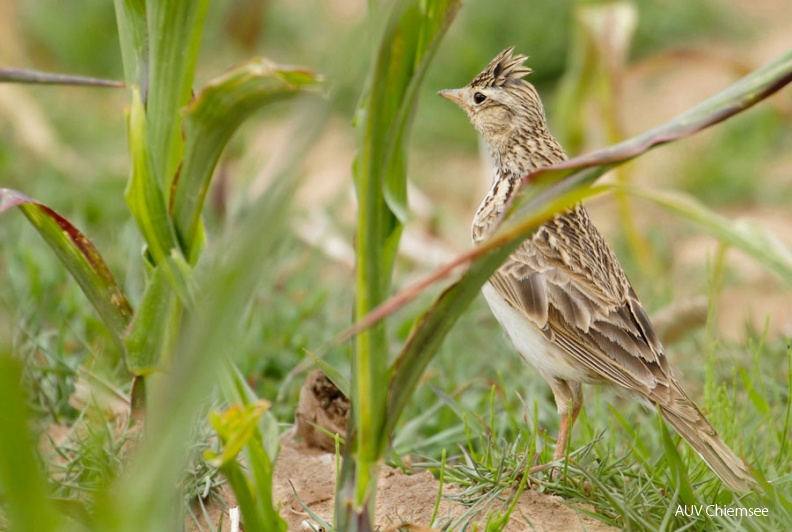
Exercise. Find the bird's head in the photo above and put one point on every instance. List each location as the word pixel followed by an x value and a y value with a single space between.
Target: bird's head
pixel 501 105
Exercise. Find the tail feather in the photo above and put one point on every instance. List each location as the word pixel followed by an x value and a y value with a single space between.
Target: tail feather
pixel 690 423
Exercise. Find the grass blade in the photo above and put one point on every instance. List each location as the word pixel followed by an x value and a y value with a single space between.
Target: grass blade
pixel 261 449
pixel 146 200
pixel 25 497
pixel 153 332
pixel 403 78
pixel 411 34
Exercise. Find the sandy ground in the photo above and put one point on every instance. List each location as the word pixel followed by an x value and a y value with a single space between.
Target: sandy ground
pixel 406 499
pixel 305 476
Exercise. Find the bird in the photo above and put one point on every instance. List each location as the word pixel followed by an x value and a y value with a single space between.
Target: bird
pixel 562 297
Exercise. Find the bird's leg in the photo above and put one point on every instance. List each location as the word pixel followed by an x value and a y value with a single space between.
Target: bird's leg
pixel 563 436
pixel 569 399
pixel 568 419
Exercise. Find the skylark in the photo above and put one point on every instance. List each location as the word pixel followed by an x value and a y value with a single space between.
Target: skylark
pixel 562 297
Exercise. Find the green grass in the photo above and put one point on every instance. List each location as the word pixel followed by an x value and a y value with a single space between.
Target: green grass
pixel 619 464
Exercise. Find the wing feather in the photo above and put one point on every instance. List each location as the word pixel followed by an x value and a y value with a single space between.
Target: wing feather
pixel 567 282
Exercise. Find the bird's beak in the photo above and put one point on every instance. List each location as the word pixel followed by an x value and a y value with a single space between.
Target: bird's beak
pixel 452 95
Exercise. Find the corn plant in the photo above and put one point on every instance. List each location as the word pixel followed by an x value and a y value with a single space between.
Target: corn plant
pixel 176 341
pixel 412 32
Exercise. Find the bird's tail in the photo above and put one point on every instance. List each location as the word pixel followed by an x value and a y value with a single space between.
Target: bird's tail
pixel 691 424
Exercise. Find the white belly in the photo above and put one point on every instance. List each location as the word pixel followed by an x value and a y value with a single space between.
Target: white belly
pixel 549 360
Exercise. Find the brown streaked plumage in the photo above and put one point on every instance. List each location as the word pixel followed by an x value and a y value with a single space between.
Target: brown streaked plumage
pixel 562 297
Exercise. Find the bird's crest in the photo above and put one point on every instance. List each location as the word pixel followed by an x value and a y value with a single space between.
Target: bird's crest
pixel 502 69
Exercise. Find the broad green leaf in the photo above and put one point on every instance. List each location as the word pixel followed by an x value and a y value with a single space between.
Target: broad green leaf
pixel 260 453
pixel 25 495
pixel 236 390
pixel 131 21
pixel 238 427
pixel 417 37
pixel 262 468
pixel 154 329
pixel 174 34
pixel 245 494
pixel 80 257
pixel 757 243
pixel 209 122
pixel 147 202
pixel 21 75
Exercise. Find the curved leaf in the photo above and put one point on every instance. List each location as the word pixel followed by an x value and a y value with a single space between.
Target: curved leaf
pixel 152 335
pixel 210 121
pixel 80 257
pixel 401 68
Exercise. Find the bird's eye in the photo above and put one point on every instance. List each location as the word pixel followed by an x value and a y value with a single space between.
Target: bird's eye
pixel 479 98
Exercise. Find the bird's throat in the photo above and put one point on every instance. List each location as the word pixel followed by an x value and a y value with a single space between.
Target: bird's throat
pixel 490 211
pixel 524 153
